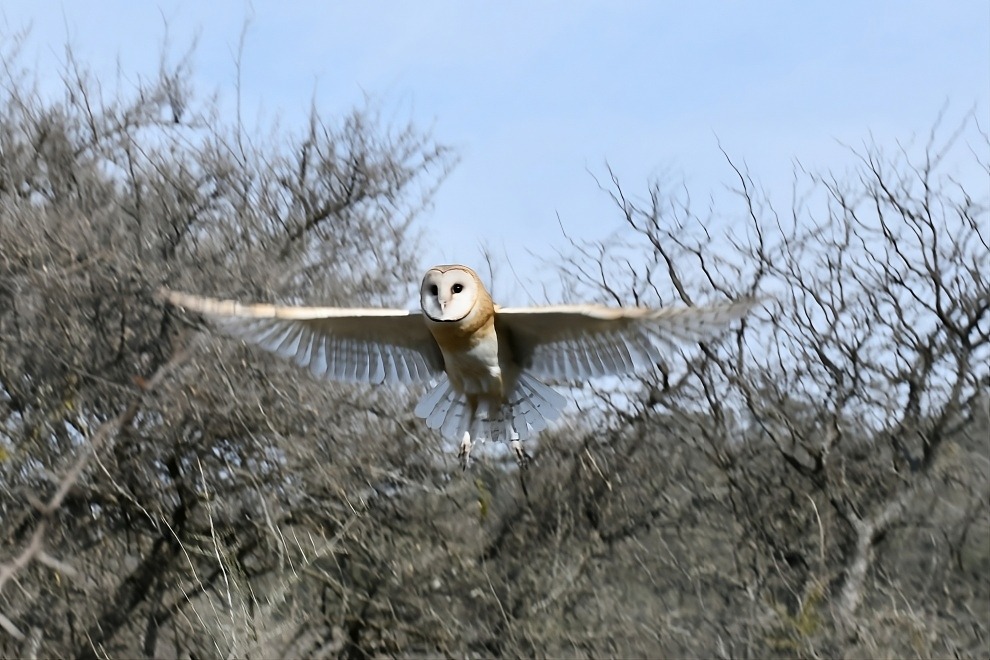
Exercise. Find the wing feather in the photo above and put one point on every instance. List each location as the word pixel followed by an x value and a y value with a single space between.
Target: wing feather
pixel 590 350
pixel 624 360
pixel 582 341
pixel 319 365
pixel 362 345
pixel 606 355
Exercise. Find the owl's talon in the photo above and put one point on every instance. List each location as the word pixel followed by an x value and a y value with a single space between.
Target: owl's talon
pixel 464 451
pixel 522 458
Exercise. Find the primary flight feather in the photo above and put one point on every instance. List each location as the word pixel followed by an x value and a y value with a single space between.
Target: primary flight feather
pixel 487 362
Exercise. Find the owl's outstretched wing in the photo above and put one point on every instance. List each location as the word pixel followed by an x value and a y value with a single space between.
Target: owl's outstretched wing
pixel 571 342
pixel 358 345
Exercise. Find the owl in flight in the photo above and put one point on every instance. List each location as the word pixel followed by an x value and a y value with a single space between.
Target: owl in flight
pixel 486 364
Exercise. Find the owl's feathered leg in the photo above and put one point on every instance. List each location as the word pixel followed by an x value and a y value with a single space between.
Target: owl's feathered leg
pixel 464 451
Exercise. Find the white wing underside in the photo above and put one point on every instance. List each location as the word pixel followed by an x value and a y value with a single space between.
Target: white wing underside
pixel 567 343
pixel 587 341
pixel 356 345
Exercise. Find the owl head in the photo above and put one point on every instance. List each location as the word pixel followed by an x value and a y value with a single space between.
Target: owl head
pixel 450 294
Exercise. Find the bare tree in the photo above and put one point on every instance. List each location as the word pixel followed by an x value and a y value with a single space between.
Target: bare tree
pixel 844 431
pixel 142 512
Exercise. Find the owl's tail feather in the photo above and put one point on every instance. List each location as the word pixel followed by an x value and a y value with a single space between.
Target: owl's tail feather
pixel 441 404
pixel 532 405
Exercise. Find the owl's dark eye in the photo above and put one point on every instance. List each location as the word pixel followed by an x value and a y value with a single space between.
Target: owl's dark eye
pixel 433 289
pixel 457 288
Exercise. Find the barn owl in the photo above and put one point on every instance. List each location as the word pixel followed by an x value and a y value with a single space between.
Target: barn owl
pixel 486 364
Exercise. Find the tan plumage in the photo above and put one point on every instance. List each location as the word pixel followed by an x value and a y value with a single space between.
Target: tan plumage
pixel 486 362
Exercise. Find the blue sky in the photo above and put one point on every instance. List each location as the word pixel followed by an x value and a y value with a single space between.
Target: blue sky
pixel 534 95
